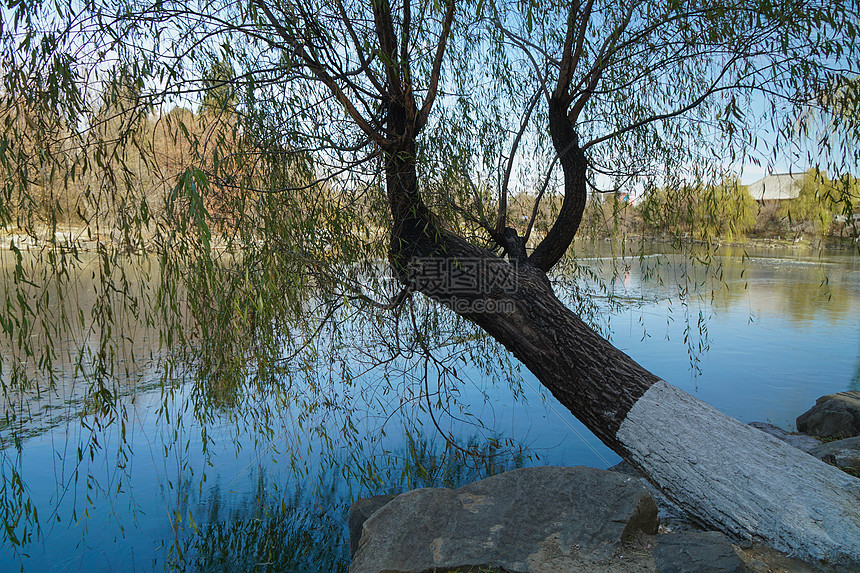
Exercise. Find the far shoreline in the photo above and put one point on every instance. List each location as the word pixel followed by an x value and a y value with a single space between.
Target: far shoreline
pixel 81 238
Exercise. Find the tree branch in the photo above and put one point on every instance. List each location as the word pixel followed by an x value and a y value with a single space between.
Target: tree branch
pixel 714 88
pixel 365 63
pixel 388 47
pixel 600 62
pixel 501 220
pixel 437 67
pixel 523 45
pixel 317 69
pixel 580 41
pixel 405 61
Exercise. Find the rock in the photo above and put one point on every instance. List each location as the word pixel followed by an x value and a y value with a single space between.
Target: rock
pixel 800 441
pixel 844 454
pixel 527 521
pixel 671 516
pixel 833 416
pixel 359 511
pixel 697 552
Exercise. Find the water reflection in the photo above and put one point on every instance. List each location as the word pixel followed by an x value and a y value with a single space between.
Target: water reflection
pixel 161 482
pixel 62 323
pixel 758 333
pixel 803 286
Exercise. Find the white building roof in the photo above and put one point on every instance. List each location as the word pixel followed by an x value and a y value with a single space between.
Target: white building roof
pixel 777 187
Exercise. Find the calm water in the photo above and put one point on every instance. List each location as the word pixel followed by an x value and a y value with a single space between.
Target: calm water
pixel 760 335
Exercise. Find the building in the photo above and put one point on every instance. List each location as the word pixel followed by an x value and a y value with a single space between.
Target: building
pixel 773 189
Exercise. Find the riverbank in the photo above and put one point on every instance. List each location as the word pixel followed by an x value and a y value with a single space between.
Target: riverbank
pixel 777 242
pixel 580 519
pixel 87 240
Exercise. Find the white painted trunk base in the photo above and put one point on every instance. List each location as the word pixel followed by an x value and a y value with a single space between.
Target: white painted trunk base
pixel 742 480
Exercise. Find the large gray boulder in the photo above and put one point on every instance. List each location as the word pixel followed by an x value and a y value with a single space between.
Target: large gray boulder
pixel 833 416
pixel 358 514
pixel 527 521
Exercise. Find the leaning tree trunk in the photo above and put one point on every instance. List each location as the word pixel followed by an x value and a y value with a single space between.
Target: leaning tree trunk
pixel 729 475
pixel 726 473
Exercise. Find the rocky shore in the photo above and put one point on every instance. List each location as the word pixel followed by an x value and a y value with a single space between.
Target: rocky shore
pixel 579 519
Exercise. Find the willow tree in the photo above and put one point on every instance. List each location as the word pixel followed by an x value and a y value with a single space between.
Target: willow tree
pixel 417 122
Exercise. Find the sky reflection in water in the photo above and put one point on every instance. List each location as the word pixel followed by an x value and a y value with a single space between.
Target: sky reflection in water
pixel 778 330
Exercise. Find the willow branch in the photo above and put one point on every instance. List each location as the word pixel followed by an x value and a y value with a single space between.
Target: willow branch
pixel 317 69
pixel 388 46
pixel 501 220
pixel 565 71
pixel 365 63
pixel 437 66
pixel 536 207
pixel 583 30
pixel 714 88
pixel 600 63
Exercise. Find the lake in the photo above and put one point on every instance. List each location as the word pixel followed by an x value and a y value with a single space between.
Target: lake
pixel 265 478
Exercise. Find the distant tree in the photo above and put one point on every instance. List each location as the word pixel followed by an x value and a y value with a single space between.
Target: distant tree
pixel 847 191
pixel 817 203
pixel 611 215
pixel 667 210
pixel 726 210
pixel 219 88
pixel 722 211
